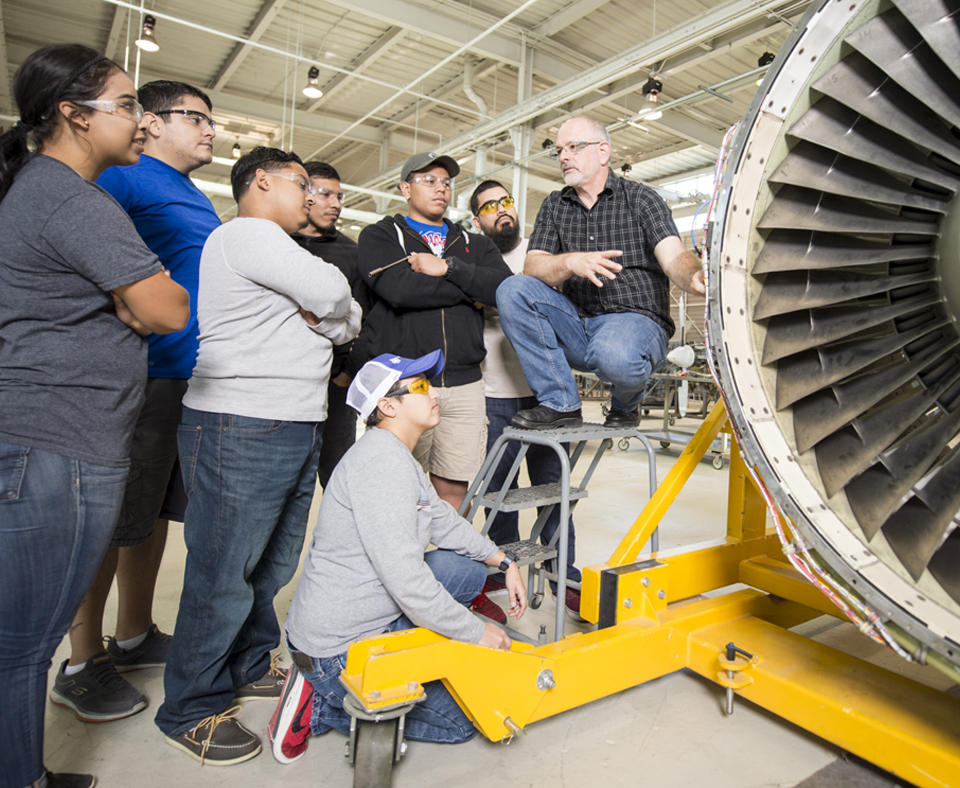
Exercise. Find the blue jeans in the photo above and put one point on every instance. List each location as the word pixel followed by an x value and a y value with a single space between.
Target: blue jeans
pixel 543 467
pixel 57 515
pixel 550 337
pixel 249 484
pixel 436 719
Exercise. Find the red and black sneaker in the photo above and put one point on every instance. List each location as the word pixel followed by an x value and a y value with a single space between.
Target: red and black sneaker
pixel 289 727
pixel 491 610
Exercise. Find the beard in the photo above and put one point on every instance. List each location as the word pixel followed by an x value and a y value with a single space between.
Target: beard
pixel 506 237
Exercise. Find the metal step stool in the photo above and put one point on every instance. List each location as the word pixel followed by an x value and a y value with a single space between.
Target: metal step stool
pixel 530 552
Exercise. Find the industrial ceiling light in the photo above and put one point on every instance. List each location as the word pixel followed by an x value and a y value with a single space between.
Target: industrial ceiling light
pixel 547 143
pixel 626 169
pixel 312 88
pixel 237 152
pixel 764 60
pixel 651 89
pixel 148 35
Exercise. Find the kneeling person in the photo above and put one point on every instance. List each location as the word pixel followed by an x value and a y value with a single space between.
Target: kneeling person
pixel 367 571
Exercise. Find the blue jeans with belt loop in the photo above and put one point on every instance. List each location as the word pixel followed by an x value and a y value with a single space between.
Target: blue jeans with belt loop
pixel 551 336
pixel 57 515
pixel 249 484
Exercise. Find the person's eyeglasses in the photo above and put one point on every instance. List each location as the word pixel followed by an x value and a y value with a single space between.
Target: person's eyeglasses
pixel 432 180
pixel 297 179
pixel 326 193
pixel 571 147
pixel 490 206
pixel 126 107
pixel 198 119
pixel 418 386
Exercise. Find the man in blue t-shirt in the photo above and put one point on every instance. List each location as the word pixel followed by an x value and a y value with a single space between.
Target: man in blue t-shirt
pixel 174 218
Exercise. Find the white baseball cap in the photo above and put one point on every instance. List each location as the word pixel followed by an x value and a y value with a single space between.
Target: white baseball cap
pixel 379 375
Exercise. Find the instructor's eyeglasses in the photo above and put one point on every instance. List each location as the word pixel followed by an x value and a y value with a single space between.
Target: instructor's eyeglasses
pixel 490 206
pixel 419 386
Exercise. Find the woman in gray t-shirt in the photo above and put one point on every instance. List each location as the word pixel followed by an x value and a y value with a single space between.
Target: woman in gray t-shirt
pixel 77 287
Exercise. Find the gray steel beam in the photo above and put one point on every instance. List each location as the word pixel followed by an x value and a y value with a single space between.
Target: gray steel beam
pixel 268 11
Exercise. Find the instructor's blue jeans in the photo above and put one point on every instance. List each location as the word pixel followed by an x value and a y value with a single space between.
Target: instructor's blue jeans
pixel 249 485
pixel 543 467
pixel 436 719
pixel 57 515
pixel 550 337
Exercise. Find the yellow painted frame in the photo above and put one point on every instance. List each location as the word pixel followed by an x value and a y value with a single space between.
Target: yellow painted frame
pixel 661 625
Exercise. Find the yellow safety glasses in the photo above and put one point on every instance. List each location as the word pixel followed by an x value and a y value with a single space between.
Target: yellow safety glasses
pixel 490 206
pixel 419 386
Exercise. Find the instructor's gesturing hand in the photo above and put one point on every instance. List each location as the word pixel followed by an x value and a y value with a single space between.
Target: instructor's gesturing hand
pixel 593 265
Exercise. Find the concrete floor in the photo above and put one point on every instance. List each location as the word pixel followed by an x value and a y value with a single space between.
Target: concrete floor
pixel 668 732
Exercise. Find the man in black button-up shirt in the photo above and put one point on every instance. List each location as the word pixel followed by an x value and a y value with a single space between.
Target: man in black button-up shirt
pixel 595 294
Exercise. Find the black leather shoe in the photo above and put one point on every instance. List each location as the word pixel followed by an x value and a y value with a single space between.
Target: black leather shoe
pixel 544 418
pixel 620 418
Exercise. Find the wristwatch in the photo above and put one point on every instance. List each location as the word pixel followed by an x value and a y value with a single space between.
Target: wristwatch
pixel 451 264
pixel 508 559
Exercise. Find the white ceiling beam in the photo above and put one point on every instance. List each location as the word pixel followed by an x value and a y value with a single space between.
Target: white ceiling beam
pixel 437 23
pixel 268 11
pixel 724 44
pixel 118 24
pixel 364 60
pixel 570 15
pixel 691 129
pixel 708 25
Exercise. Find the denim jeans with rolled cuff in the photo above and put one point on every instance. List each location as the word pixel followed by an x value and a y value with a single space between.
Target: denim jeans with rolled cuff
pixel 249 484
pixel 57 515
pixel 438 718
pixel 551 337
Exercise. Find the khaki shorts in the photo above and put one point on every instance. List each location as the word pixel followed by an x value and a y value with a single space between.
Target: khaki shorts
pixel 455 448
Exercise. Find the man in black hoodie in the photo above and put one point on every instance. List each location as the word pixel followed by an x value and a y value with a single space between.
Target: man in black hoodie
pixel 433 297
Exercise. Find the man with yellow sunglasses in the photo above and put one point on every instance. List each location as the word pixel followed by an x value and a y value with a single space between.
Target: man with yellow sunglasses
pixel 506 391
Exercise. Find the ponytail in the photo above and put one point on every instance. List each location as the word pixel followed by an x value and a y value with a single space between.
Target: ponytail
pixel 14 152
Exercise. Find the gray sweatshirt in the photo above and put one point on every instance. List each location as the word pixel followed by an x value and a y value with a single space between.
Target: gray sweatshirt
pixel 365 566
pixel 257 355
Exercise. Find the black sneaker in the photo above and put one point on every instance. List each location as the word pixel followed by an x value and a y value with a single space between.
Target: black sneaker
pixel 544 418
pixel 622 418
pixel 67 780
pixel 151 653
pixel 270 685
pixel 97 693
pixel 218 740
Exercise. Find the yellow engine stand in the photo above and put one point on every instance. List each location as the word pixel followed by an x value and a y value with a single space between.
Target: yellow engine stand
pixel 652 622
